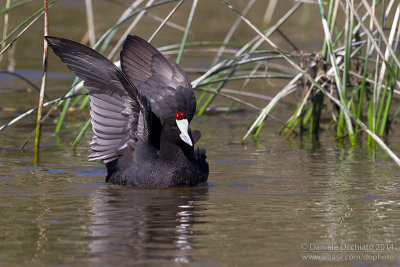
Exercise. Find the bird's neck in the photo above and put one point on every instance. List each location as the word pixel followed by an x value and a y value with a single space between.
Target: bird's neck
pixel 168 148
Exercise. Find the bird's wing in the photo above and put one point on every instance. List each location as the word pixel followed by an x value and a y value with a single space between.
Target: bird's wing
pixel 165 85
pixel 119 114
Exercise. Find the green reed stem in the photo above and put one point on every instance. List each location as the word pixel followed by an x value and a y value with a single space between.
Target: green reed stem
pixel 331 15
pixel 339 84
pixel 362 89
pixel 389 98
pixel 211 98
pixel 185 35
pixel 81 134
pixel 85 102
pixel 66 106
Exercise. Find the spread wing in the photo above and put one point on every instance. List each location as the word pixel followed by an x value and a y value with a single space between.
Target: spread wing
pixel 119 115
pixel 165 85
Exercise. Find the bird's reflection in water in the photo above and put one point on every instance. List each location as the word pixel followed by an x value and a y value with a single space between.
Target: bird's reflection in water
pixel 132 225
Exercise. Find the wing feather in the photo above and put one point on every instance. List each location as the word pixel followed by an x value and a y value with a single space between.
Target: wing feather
pixel 164 84
pixel 119 115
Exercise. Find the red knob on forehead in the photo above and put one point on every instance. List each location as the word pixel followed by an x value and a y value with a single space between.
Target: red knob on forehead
pixel 180 116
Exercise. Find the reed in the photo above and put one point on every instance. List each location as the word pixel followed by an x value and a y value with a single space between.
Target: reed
pixel 43 85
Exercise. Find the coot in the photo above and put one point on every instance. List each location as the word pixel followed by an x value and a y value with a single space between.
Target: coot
pixel 140 115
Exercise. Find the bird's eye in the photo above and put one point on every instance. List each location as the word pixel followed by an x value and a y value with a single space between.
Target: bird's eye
pixel 180 116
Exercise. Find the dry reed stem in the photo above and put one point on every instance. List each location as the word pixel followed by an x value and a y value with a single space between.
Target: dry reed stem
pixel 43 86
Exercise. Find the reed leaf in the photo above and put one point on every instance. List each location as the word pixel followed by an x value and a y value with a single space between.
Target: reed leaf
pixel 184 39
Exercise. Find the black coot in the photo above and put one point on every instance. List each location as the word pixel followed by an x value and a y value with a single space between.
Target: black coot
pixel 140 115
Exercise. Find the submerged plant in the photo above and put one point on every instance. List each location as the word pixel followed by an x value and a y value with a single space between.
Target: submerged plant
pixel 351 82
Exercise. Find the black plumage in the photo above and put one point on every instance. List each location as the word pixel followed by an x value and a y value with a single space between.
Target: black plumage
pixel 165 85
pixel 134 114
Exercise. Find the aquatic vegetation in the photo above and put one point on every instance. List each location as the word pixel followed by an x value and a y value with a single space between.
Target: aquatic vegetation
pixel 349 84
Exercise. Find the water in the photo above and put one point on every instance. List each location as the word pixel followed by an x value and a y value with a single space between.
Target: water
pixel 272 203
pixel 262 202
